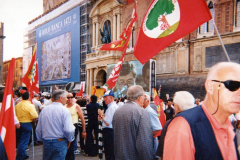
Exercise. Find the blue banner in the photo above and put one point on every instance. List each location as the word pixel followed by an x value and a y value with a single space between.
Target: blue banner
pixel 58 49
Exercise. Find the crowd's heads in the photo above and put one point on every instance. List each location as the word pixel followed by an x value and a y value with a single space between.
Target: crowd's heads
pixel 36 95
pixel 93 99
pixel 59 93
pixel 136 93
pixel 17 93
pixel 81 102
pixel 184 100
pixel 222 86
pixel 25 96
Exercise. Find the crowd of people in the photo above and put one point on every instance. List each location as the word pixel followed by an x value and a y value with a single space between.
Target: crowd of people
pixel 130 125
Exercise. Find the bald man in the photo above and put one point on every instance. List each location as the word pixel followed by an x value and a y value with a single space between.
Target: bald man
pixel 205 132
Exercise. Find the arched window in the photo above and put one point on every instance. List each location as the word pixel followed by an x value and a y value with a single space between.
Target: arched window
pixel 106 32
pixel 208 26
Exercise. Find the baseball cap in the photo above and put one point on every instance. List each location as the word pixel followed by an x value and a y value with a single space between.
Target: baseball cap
pixel 109 93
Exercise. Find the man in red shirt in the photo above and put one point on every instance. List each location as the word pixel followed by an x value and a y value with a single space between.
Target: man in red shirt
pixel 205 132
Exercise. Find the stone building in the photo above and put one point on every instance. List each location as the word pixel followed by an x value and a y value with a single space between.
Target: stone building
pixel 1 51
pixel 17 72
pixel 53 10
pixel 181 66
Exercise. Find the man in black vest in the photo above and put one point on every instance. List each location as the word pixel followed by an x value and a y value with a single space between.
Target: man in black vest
pixel 205 132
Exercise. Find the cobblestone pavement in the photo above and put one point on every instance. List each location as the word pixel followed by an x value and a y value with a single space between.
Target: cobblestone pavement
pixel 38 154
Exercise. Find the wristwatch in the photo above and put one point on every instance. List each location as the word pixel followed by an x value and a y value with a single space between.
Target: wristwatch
pixel 84 131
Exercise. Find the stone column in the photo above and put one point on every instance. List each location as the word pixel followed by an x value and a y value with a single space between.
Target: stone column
pixel 91 80
pixel 88 82
pixel 118 25
pixel 114 29
pixel 97 33
pixel 94 35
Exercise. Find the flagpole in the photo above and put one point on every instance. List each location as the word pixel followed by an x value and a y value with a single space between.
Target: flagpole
pixel 223 46
pixel 33 142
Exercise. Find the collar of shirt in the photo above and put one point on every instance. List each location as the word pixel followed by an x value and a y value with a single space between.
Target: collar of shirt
pixel 213 120
pixel 110 104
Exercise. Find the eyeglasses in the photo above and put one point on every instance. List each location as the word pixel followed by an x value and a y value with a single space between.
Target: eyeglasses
pixel 69 97
pixel 230 84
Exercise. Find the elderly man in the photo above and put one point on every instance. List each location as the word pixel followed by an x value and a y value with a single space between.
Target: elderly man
pixel 182 100
pixel 155 123
pixel 26 114
pixel 133 138
pixel 107 124
pixel 205 132
pixel 55 127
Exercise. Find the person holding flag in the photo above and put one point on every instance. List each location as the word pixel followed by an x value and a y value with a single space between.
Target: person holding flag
pixel 26 114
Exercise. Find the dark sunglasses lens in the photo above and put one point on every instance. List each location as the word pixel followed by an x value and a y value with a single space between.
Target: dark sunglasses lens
pixel 232 85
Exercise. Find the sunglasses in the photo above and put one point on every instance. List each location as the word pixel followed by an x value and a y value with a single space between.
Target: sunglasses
pixel 69 97
pixel 230 84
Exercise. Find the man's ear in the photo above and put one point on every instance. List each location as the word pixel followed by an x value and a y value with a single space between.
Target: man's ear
pixel 209 87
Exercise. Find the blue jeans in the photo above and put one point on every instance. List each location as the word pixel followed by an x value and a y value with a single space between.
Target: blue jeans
pixel 25 130
pixel 54 149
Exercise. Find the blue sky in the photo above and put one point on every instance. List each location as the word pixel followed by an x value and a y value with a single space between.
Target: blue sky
pixel 15 14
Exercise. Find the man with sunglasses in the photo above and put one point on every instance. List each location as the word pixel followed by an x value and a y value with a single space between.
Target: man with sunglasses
pixel 205 132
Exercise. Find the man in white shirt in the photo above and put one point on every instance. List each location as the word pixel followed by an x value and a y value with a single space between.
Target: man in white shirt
pixel 107 124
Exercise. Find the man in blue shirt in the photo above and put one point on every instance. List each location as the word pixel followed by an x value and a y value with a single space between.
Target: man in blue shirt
pixel 55 127
pixel 107 124
pixel 155 123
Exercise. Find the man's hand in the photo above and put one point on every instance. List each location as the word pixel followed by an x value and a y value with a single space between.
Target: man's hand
pixel 84 134
pixel 18 125
pixel 68 144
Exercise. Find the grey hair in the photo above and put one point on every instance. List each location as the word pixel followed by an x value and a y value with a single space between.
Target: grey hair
pixel 184 100
pixel 134 92
pixel 147 97
pixel 59 93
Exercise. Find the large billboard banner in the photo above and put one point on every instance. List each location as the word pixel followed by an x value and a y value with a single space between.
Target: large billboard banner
pixel 58 49
pixel 132 73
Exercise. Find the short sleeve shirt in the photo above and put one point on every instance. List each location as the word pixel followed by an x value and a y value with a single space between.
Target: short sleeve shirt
pixel 155 123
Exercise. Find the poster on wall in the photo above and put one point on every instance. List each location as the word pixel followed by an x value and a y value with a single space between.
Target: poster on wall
pixel 58 49
pixel 132 73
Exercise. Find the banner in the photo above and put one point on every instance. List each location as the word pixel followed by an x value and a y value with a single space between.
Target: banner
pixel 7 127
pixel 167 21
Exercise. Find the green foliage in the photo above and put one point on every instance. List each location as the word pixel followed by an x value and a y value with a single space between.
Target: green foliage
pixel 160 8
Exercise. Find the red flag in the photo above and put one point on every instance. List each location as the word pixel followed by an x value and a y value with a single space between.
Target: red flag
pixel 129 1
pixel 121 45
pixel 7 127
pixel 80 93
pixel 167 21
pixel 30 79
pixel 159 103
pixel 114 74
pixel 95 89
